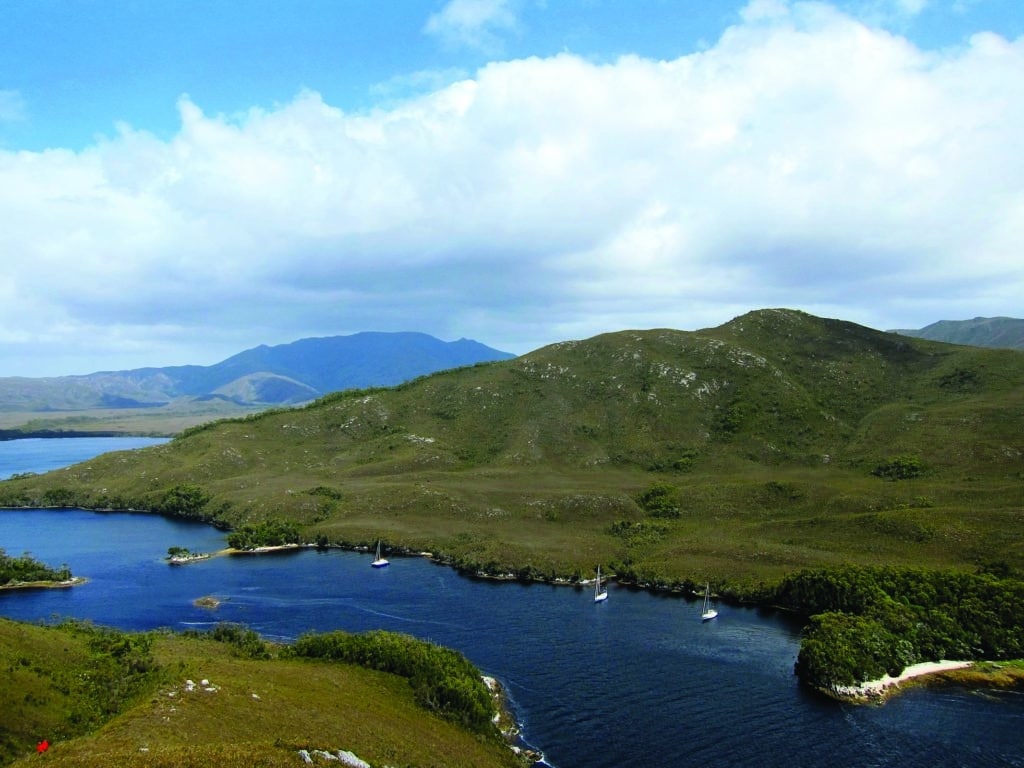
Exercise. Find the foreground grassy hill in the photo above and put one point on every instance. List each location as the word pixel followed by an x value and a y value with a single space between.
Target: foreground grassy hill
pixel 736 454
pixel 102 697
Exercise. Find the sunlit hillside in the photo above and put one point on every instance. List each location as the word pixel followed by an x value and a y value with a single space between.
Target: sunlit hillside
pixel 738 453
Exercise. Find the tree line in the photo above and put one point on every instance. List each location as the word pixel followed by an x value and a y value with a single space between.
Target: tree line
pixel 26 568
pixel 442 679
pixel 865 622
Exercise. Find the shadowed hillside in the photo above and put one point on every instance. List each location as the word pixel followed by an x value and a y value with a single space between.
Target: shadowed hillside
pixel 286 373
pixel 999 332
pixel 166 400
pixel 776 441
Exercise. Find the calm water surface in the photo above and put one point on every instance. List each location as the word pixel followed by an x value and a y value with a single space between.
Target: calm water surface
pixel 41 454
pixel 638 680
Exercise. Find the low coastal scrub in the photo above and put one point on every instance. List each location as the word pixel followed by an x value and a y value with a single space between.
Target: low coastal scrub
pixel 26 569
pixel 867 622
pixel 67 680
pixel 269 533
pixel 227 698
pixel 442 680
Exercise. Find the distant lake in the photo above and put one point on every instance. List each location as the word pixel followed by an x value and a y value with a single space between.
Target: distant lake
pixel 636 681
pixel 42 454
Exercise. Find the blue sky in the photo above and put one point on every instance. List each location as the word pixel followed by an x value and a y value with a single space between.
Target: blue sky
pixel 180 181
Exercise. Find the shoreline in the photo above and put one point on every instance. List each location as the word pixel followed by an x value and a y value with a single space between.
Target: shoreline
pixel 74 581
pixel 510 729
pixel 979 673
pixel 884 687
pixel 196 557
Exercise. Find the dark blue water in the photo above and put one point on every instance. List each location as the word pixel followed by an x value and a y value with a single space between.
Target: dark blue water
pixel 637 680
pixel 41 454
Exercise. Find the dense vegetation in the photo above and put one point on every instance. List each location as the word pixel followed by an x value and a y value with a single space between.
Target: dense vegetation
pixel 266 533
pixel 26 569
pixel 222 698
pixel 442 680
pixel 67 681
pixel 867 622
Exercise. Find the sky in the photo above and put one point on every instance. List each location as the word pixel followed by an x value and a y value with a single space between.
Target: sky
pixel 181 181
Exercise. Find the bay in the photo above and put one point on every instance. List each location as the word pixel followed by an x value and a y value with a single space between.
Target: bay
pixel 42 454
pixel 636 680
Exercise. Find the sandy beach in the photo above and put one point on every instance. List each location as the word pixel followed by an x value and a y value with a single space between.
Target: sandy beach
pixel 74 581
pixel 884 686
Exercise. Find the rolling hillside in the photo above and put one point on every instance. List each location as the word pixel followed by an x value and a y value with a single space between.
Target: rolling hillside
pixel 998 332
pixel 776 441
pixel 102 698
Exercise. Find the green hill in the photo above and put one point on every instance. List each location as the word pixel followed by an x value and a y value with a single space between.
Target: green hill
pixel 101 697
pixel 736 454
pixel 1000 332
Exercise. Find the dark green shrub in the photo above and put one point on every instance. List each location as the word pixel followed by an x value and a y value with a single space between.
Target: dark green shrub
pixel 269 533
pixel 902 467
pixel 660 500
pixel 442 679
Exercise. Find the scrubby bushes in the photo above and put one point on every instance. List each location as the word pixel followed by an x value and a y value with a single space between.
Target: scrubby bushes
pixel 28 569
pixel 246 642
pixel 660 500
pixel 269 533
pixel 121 666
pixel 186 501
pixel 899 468
pixel 442 679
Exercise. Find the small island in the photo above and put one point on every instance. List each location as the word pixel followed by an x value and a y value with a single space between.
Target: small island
pixel 181 555
pixel 26 572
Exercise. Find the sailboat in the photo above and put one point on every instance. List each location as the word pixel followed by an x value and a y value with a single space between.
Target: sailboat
pixel 600 593
pixel 379 562
pixel 708 612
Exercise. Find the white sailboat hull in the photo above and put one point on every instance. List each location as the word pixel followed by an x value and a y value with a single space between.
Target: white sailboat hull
pixel 708 612
pixel 600 593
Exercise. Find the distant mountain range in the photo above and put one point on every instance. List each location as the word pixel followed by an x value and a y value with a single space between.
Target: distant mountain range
pixel 998 332
pixel 263 376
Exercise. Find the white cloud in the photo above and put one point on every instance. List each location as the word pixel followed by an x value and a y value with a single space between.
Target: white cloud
pixel 473 23
pixel 804 160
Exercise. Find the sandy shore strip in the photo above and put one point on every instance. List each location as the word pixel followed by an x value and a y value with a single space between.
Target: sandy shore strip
pixel 74 581
pixel 877 689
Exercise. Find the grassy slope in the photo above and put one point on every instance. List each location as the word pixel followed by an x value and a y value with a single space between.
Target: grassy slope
pixel 768 427
pixel 300 704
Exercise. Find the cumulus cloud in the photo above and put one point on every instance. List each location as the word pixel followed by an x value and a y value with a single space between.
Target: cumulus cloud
pixel 806 159
pixel 475 24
